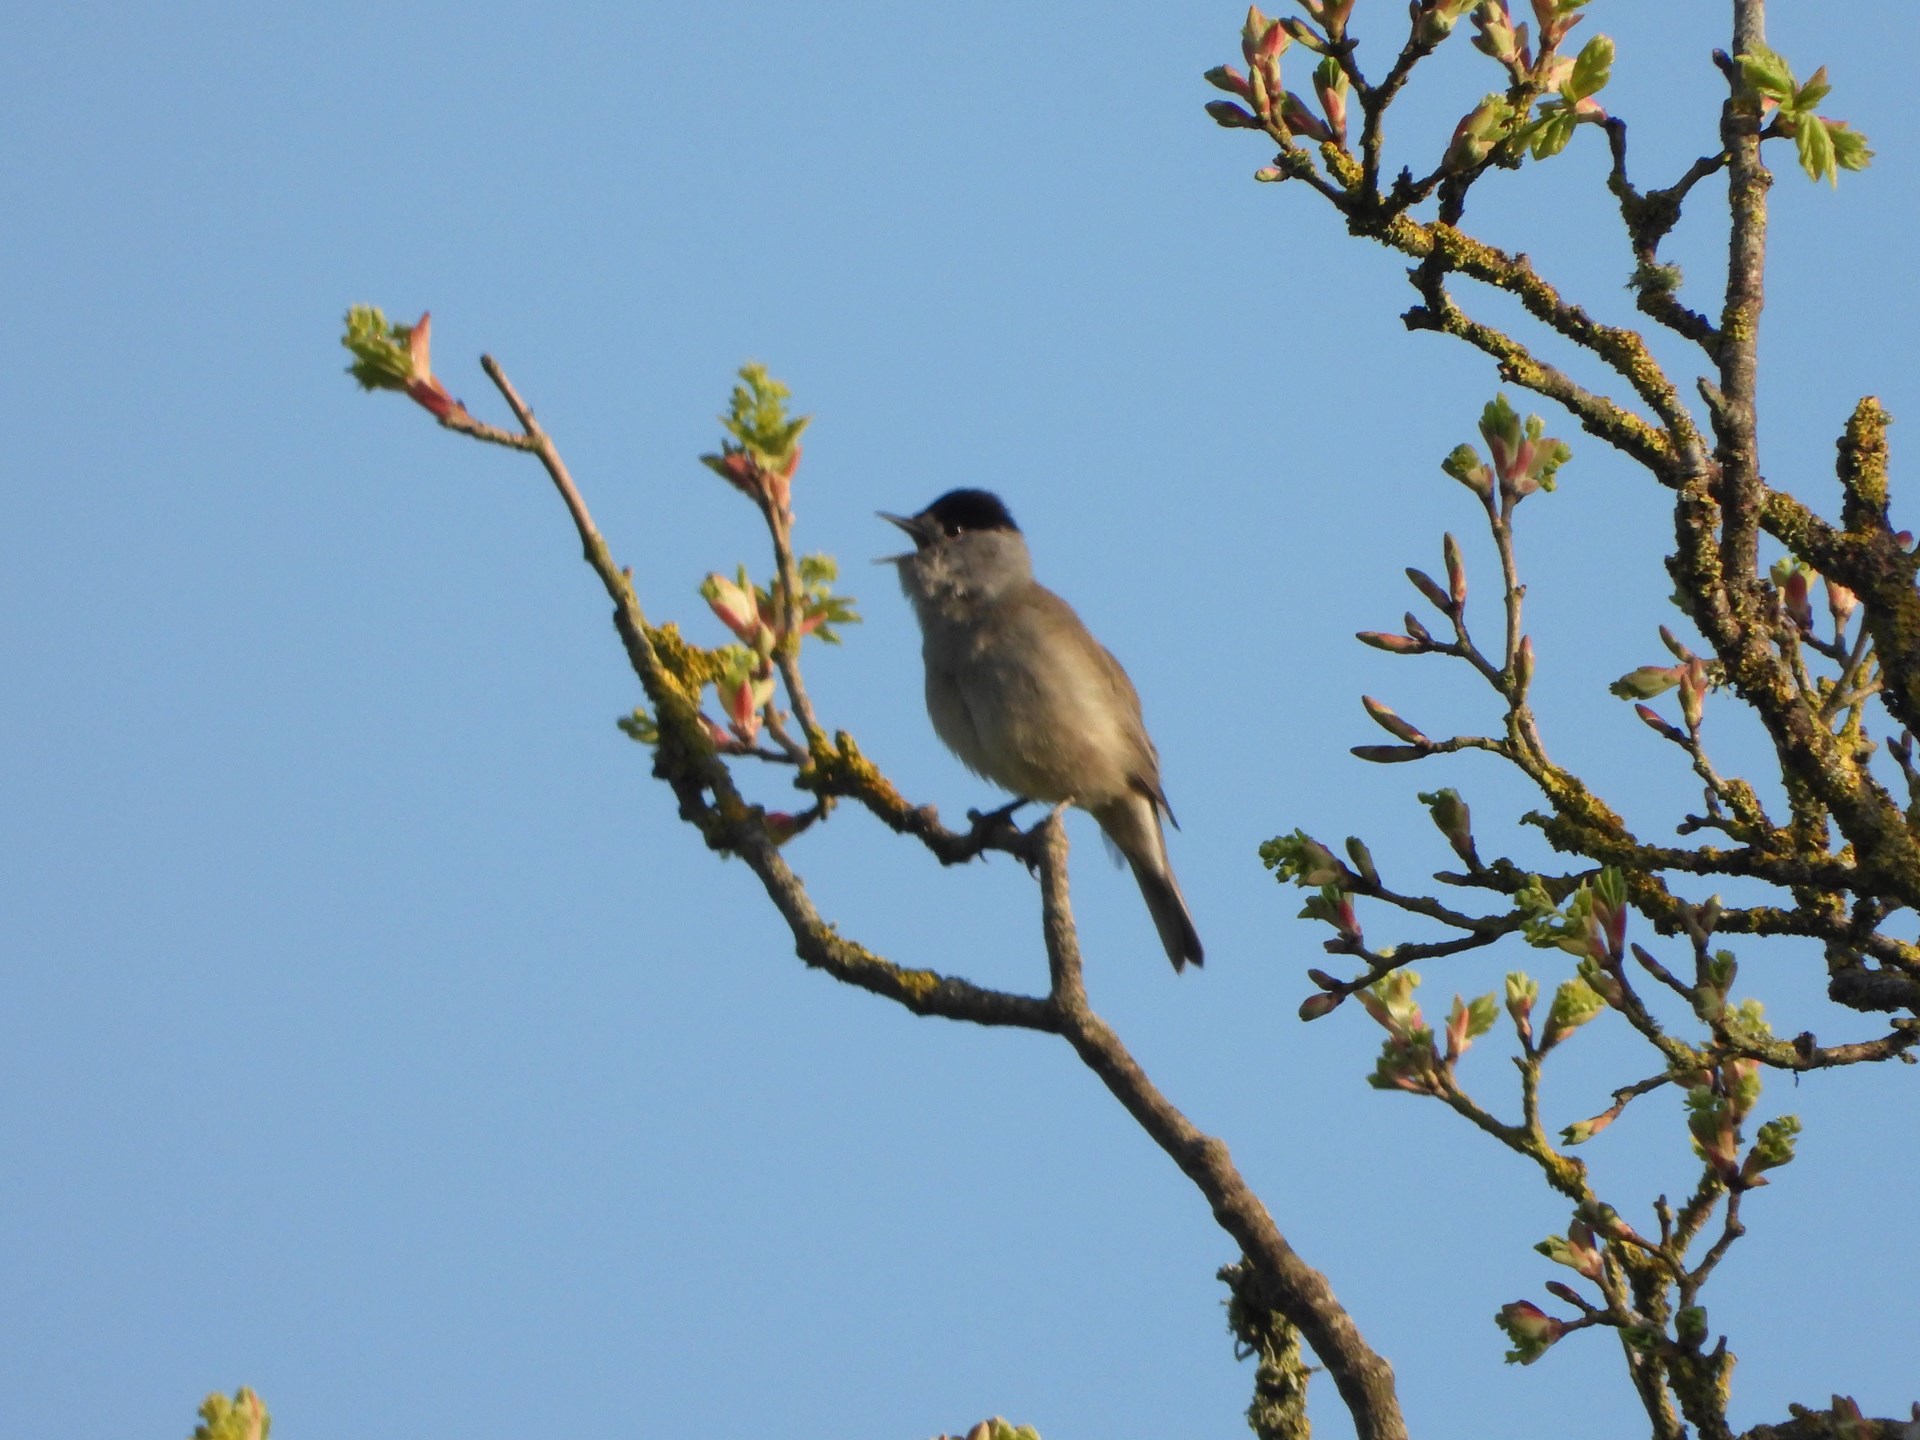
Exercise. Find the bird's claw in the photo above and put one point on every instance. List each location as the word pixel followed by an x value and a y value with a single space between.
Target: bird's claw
pixel 995 830
pixel 1032 846
pixel 994 819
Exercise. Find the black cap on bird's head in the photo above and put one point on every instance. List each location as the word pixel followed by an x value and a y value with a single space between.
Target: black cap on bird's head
pixel 958 512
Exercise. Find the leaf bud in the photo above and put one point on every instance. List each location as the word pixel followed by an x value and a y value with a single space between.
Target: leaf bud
pixel 1317 1005
pixel 1657 725
pixel 1362 859
pixel 1456 569
pixel 1531 1329
pixel 1425 584
pixel 1385 717
pixel 1230 116
pixel 1394 644
pixel 1225 77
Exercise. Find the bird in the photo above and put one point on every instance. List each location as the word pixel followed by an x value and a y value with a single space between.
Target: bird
pixel 1021 692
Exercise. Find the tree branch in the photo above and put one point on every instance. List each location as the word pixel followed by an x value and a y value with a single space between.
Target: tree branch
pixel 1289 1285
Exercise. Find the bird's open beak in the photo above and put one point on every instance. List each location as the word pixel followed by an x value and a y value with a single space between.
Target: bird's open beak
pixel 914 526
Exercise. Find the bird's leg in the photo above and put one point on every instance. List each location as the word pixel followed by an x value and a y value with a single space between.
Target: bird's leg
pixel 998 817
pixel 996 829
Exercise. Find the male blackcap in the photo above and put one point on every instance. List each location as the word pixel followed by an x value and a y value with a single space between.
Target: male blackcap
pixel 1026 697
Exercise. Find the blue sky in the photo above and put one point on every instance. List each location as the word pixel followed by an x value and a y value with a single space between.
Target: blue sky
pixel 374 1034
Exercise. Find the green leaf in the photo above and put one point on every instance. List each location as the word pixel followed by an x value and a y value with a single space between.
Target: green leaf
pixel 1301 859
pixel 1645 682
pixel 757 418
pixel 1767 72
pixel 1813 92
pixel 1773 1145
pixel 819 606
pixel 1498 418
pixel 1549 134
pixel 1592 68
pixel 1748 1020
pixel 381 357
pixel 1464 464
pixel 1574 1004
pixel 1815 144
pixel 242 1418
pixel 1481 1013
pixel 1849 145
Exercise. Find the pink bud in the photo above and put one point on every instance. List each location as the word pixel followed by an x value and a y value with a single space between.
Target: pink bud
pixel 1295 115
pixel 1840 604
pixel 738 609
pixel 1397 644
pixel 1656 724
pixel 1314 1006
pixel 1225 77
pixel 1231 116
pixel 1456 570
pixel 1424 583
pixel 1333 104
pixel 1582 1131
pixel 1384 716
pixel 1693 692
pixel 1793 595
pixel 423 389
pixel 1252 33
pixel 1529 1324
pixel 1349 923
pixel 1457 1021
pixel 737 699
pixel 1615 919
pixel 780 483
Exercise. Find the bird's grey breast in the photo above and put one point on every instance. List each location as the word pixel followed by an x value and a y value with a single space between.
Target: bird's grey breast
pixel 1033 702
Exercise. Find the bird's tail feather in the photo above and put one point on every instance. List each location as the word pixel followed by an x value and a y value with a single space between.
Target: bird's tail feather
pixel 1169 910
pixel 1132 826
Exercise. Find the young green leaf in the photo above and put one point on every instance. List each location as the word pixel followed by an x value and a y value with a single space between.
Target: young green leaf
pixel 1592 68
pixel 1815 144
pixel 1766 71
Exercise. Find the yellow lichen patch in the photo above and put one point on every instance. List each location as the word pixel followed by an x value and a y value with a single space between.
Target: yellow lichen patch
pixel 845 771
pixel 919 985
pixel 689 666
pixel 1863 453
pixel 1565 1174
pixel 1341 166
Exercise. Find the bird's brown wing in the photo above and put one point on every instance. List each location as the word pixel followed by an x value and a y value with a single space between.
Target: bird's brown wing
pixel 1147 779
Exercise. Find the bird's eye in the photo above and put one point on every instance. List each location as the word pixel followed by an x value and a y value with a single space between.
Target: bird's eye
pixel 953 529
